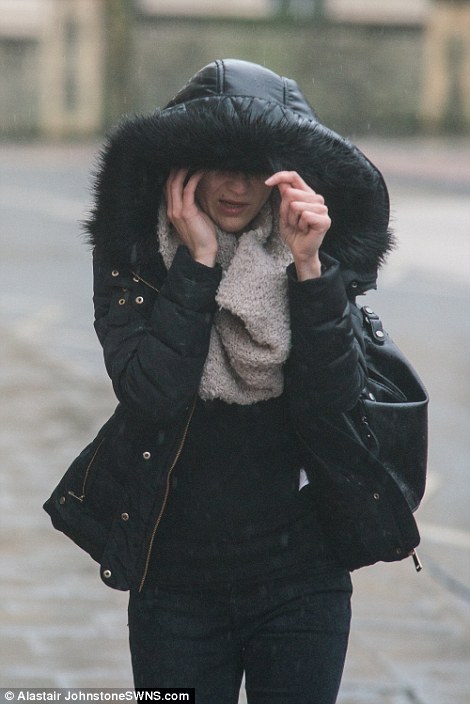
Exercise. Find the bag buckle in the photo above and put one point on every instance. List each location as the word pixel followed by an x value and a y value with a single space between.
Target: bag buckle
pixel 373 325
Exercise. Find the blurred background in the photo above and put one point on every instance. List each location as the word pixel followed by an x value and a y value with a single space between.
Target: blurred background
pixel 394 77
pixel 71 67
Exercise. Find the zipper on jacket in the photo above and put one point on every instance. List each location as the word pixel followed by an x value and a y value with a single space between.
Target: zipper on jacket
pixel 87 473
pixel 165 497
pixel 137 276
pixel 416 560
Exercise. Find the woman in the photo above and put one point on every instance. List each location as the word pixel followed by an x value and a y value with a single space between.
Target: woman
pixel 231 232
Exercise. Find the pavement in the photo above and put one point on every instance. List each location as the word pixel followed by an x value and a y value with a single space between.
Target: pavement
pixel 61 627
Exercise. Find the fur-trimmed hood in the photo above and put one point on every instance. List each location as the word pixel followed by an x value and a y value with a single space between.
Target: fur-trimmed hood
pixel 237 116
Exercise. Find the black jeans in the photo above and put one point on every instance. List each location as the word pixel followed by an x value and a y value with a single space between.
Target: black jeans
pixel 288 635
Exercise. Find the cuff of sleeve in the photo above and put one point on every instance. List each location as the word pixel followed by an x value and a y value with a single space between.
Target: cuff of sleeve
pixel 191 284
pixel 321 299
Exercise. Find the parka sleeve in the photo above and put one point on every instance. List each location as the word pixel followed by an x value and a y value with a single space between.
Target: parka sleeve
pixel 155 343
pixel 326 370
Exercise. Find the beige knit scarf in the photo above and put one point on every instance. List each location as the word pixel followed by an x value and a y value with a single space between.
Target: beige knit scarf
pixel 250 337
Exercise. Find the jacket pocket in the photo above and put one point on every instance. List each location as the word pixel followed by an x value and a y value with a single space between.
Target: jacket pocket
pixel 81 493
pixel 87 499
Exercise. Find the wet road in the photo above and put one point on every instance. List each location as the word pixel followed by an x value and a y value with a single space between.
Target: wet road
pixel 60 626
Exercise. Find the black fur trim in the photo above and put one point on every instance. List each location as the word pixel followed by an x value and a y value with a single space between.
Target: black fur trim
pixel 236 133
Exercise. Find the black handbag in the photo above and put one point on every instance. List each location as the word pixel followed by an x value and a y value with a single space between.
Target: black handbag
pixel 369 469
pixel 395 404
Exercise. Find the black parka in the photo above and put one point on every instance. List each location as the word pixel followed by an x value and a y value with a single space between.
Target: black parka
pixel 154 324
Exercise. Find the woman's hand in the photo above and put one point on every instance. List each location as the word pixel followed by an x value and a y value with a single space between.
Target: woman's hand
pixel 304 221
pixel 195 228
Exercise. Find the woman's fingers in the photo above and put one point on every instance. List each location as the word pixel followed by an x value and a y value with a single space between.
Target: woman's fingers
pixel 181 193
pixel 301 208
pixel 194 227
pixel 174 191
pixel 189 188
pixel 312 220
pixel 291 178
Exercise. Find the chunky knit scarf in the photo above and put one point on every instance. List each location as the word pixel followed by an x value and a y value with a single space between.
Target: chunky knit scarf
pixel 250 337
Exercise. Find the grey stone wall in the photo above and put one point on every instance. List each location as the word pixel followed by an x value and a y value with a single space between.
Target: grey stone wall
pixel 359 79
pixel 18 86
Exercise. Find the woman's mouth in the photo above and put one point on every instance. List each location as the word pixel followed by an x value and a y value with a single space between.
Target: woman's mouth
pixel 231 207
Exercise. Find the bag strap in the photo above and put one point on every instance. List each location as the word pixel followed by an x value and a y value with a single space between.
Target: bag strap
pixel 373 325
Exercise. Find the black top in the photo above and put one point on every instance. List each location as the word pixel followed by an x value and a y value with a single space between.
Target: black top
pixel 235 511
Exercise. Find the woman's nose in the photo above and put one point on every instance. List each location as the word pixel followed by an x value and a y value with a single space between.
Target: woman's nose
pixel 239 183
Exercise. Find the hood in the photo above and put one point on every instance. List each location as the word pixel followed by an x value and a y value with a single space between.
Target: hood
pixel 237 116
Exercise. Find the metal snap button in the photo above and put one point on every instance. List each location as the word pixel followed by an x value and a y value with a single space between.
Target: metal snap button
pixel 125 516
